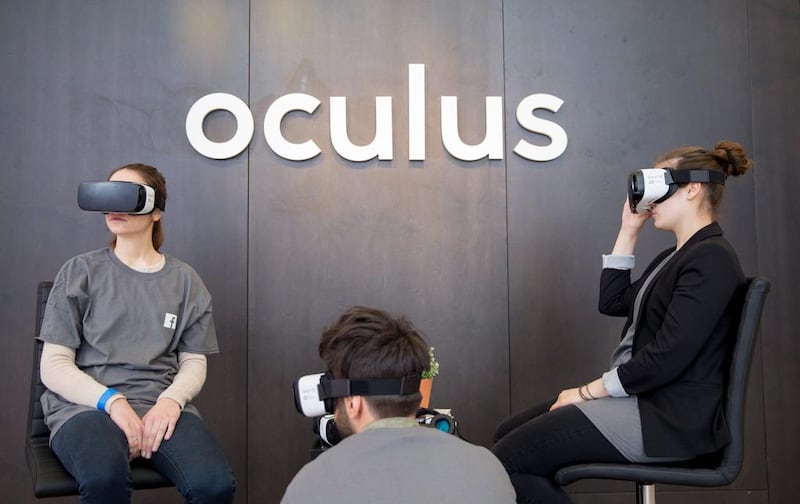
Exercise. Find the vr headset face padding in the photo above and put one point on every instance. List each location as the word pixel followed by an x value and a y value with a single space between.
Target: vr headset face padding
pixel 118 197
pixel 654 185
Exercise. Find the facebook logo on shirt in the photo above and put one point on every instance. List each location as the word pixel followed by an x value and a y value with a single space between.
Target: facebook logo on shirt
pixel 170 321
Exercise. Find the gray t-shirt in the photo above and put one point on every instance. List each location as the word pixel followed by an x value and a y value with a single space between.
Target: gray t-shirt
pixel 392 463
pixel 126 327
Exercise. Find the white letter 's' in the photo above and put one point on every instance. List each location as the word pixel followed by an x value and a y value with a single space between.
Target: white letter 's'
pixel 526 119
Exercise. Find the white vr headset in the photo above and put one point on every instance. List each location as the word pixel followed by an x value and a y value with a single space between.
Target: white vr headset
pixel 654 185
pixel 118 197
pixel 314 395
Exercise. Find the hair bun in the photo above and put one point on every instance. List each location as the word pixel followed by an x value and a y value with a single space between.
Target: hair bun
pixel 731 157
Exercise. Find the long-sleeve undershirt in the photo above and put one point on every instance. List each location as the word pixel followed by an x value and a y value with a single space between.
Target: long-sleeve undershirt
pixel 61 375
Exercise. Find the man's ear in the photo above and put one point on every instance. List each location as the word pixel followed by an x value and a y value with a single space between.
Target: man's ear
pixel 354 406
pixel 358 412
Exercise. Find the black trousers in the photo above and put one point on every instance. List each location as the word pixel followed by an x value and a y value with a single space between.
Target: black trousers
pixel 534 444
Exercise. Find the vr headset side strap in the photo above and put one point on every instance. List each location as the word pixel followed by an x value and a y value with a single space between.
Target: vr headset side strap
pixel 702 176
pixel 331 389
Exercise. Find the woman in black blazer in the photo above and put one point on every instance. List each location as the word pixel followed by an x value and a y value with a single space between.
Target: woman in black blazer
pixel 661 399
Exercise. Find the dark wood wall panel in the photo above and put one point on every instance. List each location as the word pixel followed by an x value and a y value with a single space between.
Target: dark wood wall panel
pixel 426 239
pixel 88 87
pixel 775 56
pixel 633 87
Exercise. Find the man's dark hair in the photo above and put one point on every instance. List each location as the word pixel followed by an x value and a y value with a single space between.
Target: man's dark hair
pixel 370 343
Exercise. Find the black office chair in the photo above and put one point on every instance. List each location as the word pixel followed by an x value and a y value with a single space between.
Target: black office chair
pixel 50 479
pixel 722 472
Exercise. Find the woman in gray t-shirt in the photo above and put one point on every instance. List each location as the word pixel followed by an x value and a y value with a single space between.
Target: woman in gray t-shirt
pixel 126 332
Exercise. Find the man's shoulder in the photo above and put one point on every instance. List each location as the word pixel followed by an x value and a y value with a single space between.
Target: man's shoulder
pixel 416 440
pixel 382 457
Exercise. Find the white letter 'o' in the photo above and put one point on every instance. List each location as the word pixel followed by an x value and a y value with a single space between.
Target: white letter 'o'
pixel 219 150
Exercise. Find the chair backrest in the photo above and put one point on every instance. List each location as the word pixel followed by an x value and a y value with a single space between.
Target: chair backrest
pixel 50 479
pixel 747 331
pixel 37 429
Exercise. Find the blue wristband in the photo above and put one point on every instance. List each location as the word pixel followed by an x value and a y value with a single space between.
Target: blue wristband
pixel 101 403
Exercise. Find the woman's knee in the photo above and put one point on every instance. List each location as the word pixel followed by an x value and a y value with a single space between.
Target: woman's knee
pixel 218 487
pixel 107 481
pixel 196 463
pixel 94 451
pixel 514 421
pixel 532 489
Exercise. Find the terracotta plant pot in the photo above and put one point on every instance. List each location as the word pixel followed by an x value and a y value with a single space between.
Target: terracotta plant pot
pixel 425 385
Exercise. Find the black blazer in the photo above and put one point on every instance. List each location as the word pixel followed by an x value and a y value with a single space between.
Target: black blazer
pixel 682 345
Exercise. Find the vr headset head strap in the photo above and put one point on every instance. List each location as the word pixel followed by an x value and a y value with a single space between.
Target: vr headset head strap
pixel 703 176
pixel 334 388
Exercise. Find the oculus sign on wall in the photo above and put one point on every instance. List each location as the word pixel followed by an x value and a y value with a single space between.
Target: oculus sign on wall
pixel 381 146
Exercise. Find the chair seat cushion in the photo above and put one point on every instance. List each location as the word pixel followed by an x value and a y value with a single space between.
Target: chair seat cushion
pixel 50 479
pixel 645 474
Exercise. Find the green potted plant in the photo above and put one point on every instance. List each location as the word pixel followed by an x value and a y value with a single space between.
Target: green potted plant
pixel 426 382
